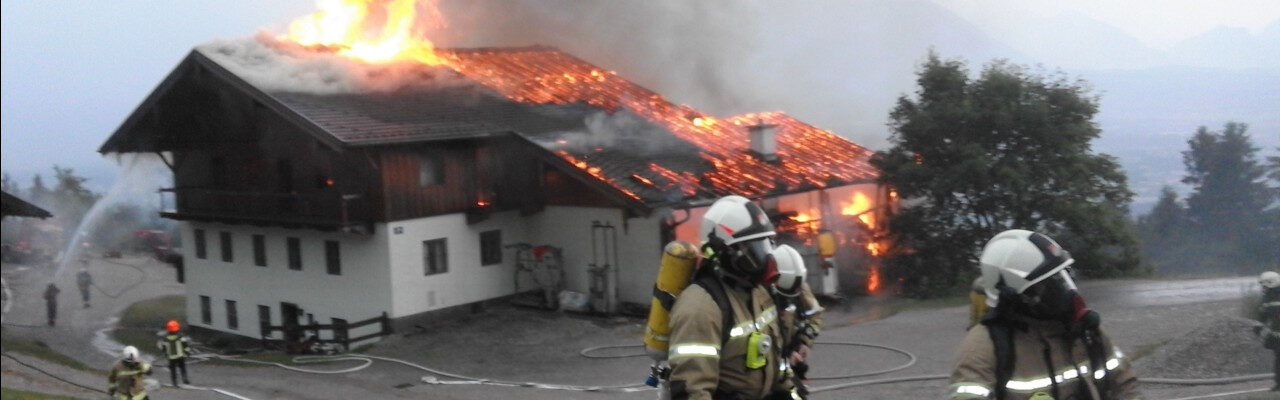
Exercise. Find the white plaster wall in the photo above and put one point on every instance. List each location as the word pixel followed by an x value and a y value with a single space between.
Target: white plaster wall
pixel 467 281
pixel 362 290
pixel 638 249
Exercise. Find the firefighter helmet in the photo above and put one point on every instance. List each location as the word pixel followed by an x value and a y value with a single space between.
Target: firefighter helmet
pixel 172 326
pixel 1269 279
pixel 129 353
pixel 791 270
pixel 738 230
pixel 1020 259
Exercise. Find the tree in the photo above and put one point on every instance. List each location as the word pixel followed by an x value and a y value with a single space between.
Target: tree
pixel 1229 200
pixel 1163 231
pixel 1009 149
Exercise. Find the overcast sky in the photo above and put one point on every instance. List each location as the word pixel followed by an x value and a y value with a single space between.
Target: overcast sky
pixel 1158 23
pixel 72 71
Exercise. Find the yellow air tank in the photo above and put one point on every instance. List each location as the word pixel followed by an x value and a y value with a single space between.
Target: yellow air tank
pixel 826 243
pixel 675 273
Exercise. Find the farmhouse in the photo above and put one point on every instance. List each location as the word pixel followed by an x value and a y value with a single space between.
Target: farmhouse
pixel 506 170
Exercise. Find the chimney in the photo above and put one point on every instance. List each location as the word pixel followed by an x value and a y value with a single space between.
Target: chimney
pixel 764 141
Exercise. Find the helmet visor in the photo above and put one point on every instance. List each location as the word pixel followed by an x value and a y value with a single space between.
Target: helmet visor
pixel 751 258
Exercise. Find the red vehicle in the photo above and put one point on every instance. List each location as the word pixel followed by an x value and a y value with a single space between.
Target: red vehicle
pixel 158 243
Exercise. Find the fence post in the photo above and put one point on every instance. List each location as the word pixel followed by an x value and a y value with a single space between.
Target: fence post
pixel 386 324
pixel 341 333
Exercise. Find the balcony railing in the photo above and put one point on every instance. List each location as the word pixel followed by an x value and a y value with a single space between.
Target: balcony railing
pixel 319 210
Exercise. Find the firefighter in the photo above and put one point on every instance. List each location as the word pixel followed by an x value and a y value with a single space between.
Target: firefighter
pixel 176 347
pixel 51 302
pixel 125 381
pixel 84 280
pixel 800 314
pixel 977 302
pixel 1040 341
pixel 725 335
pixel 1269 316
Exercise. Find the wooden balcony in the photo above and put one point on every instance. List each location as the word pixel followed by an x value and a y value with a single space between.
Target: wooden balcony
pixel 315 210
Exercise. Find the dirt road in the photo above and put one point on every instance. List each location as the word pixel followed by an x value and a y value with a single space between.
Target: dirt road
pixel 518 345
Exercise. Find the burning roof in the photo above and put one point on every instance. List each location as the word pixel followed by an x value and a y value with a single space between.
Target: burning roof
pixel 639 143
pixel 808 157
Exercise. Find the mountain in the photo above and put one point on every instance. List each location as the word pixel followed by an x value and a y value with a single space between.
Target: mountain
pixel 1227 47
pixel 1074 40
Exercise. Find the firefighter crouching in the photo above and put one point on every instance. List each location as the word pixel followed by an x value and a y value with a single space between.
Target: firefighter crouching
pixel 176 348
pixel 125 381
pixel 800 315
pixel 1039 341
pixel 1269 316
pixel 725 333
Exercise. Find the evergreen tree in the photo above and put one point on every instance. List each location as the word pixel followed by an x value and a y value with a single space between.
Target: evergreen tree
pixel 1228 205
pixel 1009 149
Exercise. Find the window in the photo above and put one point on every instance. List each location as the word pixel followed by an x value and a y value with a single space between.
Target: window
pixel 490 247
pixel 206 315
pixel 233 320
pixel 224 238
pixel 332 257
pixel 295 253
pixel 200 249
pixel 436 256
pixel 264 319
pixel 259 250
pixel 430 172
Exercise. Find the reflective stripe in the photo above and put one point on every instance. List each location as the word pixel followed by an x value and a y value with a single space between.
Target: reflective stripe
pixel 746 328
pixel 811 312
pixel 1066 375
pixel 965 390
pixel 695 350
pixel 795 395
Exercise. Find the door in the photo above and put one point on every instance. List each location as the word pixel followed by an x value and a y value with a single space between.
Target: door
pixel 289 319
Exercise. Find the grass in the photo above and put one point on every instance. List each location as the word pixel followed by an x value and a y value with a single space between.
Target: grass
pixel 38 349
pixel 15 394
pixel 140 322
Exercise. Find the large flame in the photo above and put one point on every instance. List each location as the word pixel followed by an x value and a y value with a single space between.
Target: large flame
pixel 375 31
pixel 858 206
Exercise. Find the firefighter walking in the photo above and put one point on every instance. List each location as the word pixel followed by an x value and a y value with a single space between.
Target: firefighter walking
pixel 1039 341
pixel 125 381
pixel 176 348
pixel 725 335
pixel 1269 316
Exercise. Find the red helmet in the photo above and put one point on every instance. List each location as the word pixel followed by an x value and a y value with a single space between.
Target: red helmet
pixel 172 326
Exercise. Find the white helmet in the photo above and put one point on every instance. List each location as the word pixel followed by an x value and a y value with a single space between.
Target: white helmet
pixel 1269 279
pixel 1020 259
pixel 129 353
pixel 733 219
pixel 791 270
pixel 737 228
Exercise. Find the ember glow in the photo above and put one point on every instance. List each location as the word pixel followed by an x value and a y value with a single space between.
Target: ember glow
pixel 873 280
pixel 811 157
pixel 375 31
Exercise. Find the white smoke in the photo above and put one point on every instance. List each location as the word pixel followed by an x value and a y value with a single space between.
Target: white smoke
pixel 131 203
pixel 619 130
pixel 277 66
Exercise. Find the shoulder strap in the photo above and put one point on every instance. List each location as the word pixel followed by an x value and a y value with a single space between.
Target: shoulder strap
pixel 712 285
pixel 1002 342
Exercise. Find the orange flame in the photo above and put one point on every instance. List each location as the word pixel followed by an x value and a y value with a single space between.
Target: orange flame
pixel 873 248
pixel 873 280
pixel 858 205
pixel 376 31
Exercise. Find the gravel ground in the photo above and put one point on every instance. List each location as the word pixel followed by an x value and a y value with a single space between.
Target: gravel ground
pixel 1222 347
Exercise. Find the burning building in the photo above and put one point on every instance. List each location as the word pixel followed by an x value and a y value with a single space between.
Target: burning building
pixel 346 205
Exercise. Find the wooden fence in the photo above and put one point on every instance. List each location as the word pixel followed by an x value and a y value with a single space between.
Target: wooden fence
pixel 340 329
